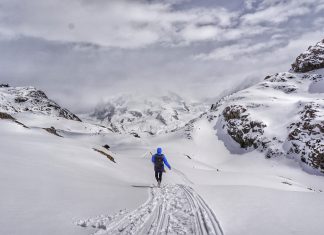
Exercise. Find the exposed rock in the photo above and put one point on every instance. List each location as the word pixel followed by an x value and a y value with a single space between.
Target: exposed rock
pixel 28 99
pixel 306 137
pixel 106 146
pixel 37 94
pixel 21 99
pixel 105 154
pixel 136 114
pixel 187 156
pixel 311 59
pixel 7 116
pixel 53 131
pixel 135 134
pixel 161 119
pixel 242 129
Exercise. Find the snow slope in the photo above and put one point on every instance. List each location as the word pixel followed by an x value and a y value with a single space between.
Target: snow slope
pixel 173 209
pixel 283 116
pixel 29 99
pixel 51 184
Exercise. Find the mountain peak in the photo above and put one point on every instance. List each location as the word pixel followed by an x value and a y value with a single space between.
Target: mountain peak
pixel 29 99
pixel 311 59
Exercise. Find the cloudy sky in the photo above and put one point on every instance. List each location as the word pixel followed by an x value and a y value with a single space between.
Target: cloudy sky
pixel 83 51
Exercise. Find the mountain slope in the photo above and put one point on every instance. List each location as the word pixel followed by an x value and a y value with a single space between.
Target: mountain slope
pixel 283 116
pixel 29 99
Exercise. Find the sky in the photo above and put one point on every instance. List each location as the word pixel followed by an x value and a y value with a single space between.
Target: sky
pixel 81 52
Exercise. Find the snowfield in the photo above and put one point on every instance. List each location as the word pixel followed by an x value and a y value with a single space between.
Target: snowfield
pixel 171 209
pixel 55 185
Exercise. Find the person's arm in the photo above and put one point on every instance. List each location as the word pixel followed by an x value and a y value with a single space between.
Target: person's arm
pixel 153 158
pixel 166 162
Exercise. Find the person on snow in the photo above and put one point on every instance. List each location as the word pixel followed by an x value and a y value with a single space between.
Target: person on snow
pixel 159 160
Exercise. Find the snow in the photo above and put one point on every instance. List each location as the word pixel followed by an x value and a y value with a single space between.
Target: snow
pixel 279 102
pixel 60 185
pixel 49 184
pixel 171 209
pixel 29 99
pixel 317 87
pixel 146 116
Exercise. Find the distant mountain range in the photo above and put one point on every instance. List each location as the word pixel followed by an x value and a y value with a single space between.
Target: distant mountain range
pixel 141 115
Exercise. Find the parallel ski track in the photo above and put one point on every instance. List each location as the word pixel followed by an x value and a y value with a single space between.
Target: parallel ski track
pixel 205 215
pixel 171 209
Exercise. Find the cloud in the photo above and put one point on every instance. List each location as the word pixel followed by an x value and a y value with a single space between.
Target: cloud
pixel 80 51
pixel 277 13
pixel 249 4
pixel 125 24
pixel 236 51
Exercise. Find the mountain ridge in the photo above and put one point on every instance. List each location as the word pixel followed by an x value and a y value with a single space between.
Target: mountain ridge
pixel 29 99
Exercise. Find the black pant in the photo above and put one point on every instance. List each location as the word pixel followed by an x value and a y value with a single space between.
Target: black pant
pixel 158 175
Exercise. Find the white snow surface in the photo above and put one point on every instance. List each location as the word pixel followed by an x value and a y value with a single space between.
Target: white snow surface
pixel 54 185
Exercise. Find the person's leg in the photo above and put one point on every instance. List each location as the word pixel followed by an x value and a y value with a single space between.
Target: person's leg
pixel 160 176
pixel 157 175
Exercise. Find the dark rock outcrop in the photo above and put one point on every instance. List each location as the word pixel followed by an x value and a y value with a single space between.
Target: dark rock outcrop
pixel 52 131
pixel 306 138
pixel 311 59
pixel 242 128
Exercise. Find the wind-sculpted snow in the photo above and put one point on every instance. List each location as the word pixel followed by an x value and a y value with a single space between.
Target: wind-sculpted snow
pixel 143 116
pixel 171 209
pixel 28 99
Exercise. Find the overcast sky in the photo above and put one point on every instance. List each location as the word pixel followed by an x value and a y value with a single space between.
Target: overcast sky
pixel 83 51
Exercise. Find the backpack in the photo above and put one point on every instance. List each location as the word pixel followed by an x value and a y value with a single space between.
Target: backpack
pixel 158 164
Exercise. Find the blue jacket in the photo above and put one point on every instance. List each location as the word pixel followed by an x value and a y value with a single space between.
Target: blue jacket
pixel 165 161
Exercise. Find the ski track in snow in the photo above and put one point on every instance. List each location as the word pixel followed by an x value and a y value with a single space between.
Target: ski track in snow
pixel 171 209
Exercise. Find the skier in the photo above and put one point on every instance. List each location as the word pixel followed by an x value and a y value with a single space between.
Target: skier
pixel 159 160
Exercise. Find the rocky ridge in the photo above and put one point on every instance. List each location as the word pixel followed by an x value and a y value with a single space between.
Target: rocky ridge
pixel 29 99
pixel 311 59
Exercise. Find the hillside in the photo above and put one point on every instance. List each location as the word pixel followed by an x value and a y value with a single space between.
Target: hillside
pixel 282 116
pixel 29 99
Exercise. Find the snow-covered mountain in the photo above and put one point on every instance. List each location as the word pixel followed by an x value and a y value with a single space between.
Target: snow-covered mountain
pixel 311 59
pixel 281 116
pixel 141 115
pixel 29 99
